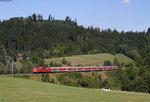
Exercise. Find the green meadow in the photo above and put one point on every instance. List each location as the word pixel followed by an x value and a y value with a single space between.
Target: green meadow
pixel 91 59
pixel 25 90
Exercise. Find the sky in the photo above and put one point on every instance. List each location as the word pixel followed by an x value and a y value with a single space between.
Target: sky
pixel 124 15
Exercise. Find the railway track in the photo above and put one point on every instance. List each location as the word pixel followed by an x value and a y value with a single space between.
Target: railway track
pixel 29 74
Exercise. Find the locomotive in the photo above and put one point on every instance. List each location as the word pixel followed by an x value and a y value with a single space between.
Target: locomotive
pixel 37 70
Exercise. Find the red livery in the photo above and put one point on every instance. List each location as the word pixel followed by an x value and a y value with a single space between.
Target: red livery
pixel 72 69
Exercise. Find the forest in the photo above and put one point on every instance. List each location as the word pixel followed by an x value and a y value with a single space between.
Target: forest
pixel 37 38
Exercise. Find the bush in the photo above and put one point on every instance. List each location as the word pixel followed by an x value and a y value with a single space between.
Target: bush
pixel 54 64
pixel 64 61
pixel 73 74
pixel 2 68
pixel 45 78
pixel 77 79
pixel 107 63
pixel 83 83
pixel 27 66
pixel 63 80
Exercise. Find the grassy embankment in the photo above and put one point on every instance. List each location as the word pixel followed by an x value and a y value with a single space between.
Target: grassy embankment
pixel 24 90
pixel 86 60
pixel 91 60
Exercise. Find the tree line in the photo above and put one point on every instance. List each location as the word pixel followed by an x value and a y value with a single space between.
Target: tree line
pixel 36 36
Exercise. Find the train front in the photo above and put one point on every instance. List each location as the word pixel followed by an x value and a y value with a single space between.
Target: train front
pixel 35 70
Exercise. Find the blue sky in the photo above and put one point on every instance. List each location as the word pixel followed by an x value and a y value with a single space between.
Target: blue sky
pixel 120 14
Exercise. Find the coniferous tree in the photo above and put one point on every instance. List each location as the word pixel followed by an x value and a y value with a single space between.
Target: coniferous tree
pixel 116 63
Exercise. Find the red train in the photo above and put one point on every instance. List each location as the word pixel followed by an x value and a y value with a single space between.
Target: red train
pixel 72 69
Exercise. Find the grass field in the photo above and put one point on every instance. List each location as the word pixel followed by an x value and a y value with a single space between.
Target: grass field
pixel 24 90
pixel 91 60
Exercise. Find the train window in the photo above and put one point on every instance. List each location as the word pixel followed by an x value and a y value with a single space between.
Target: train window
pixel 62 68
pixel 54 69
pixel 43 68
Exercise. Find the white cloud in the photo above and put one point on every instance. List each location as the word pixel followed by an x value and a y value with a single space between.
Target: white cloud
pixel 126 1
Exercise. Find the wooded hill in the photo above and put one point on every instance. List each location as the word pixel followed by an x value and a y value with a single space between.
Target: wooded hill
pixel 57 38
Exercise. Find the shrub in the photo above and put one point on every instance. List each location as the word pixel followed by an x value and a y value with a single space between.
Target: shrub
pixel 45 78
pixel 83 83
pixel 64 61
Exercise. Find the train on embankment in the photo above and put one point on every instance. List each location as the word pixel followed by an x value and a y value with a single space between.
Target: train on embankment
pixel 37 70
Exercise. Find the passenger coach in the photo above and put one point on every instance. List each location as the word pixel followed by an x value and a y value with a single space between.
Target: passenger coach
pixel 72 69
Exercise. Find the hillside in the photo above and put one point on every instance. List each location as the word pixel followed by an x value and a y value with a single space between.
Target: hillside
pixel 91 59
pixel 40 37
pixel 24 90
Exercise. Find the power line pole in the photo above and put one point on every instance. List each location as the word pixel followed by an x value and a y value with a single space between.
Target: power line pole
pixel 12 68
